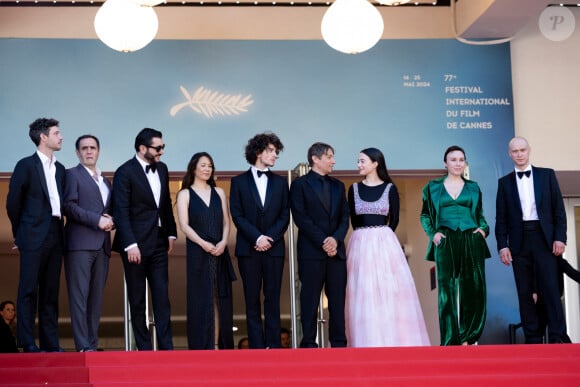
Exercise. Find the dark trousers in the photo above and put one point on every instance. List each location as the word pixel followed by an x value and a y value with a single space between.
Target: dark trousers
pixel 38 289
pixel 154 268
pixel 262 271
pixel 460 264
pixel 86 274
pixel 329 273
pixel 536 271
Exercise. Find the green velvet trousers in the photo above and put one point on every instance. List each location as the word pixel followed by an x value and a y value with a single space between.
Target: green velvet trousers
pixel 460 265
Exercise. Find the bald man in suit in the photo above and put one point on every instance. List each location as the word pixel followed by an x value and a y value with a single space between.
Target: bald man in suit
pixel 531 236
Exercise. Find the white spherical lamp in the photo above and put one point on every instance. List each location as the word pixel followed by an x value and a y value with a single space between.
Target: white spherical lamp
pixel 148 3
pixel 393 2
pixel 125 26
pixel 352 26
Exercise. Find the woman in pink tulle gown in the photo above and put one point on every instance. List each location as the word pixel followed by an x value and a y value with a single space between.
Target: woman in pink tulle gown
pixel 382 306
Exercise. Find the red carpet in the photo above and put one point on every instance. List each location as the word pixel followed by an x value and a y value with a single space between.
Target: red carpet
pixel 506 365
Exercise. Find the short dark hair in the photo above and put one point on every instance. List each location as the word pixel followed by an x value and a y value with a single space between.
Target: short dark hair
pixel 145 137
pixel 259 143
pixel 453 148
pixel 4 303
pixel 318 149
pixel 84 137
pixel 284 330
pixel 41 125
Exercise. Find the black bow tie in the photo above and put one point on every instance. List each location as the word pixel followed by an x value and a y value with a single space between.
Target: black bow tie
pixel 522 173
pixel 151 167
pixel 260 173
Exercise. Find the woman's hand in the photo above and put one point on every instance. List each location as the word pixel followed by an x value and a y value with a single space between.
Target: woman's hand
pixel 208 247
pixel 480 231
pixel 437 238
pixel 219 248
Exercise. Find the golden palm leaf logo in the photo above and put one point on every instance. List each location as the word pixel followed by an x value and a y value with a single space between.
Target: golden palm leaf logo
pixel 211 103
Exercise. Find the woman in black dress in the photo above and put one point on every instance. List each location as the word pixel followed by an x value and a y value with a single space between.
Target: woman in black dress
pixel 204 219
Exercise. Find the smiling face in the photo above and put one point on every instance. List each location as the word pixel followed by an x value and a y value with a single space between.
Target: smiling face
pixel 203 169
pixel 323 165
pixel 365 165
pixel 153 152
pixel 455 163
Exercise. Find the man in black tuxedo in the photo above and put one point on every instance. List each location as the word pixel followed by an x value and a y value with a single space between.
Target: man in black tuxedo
pixel 145 235
pixel 88 242
pixel 34 205
pixel 320 211
pixel 260 210
pixel 531 234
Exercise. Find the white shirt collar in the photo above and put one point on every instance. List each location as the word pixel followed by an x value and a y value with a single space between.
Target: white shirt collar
pixel 143 163
pixel 44 158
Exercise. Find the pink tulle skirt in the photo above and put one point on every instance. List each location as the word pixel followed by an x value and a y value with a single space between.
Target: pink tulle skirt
pixel 382 306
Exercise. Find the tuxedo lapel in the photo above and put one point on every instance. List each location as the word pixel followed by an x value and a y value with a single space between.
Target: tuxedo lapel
pixel 515 193
pixel 141 179
pixel 41 176
pixel 314 185
pixel 269 191
pixel 538 184
pixel 251 183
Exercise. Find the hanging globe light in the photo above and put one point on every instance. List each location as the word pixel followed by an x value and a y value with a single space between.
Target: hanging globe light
pixel 125 26
pixel 148 3
pixel 393 2
pixel 352 26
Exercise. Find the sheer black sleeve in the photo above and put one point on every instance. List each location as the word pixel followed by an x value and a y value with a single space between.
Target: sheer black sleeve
pixel 351 206
pixel 394 206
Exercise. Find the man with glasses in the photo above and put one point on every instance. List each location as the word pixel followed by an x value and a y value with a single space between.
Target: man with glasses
pixel 145 235
pixel 260 209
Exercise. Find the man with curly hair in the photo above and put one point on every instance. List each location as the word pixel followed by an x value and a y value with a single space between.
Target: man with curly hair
pixel 260 209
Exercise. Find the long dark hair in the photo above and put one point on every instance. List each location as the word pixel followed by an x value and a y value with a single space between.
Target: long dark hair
pixel 376 155
pixel 189 176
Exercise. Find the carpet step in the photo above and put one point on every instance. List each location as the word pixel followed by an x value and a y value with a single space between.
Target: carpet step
pixel 508 365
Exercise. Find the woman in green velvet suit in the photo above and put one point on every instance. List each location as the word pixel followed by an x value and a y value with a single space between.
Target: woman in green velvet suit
pixel 452 217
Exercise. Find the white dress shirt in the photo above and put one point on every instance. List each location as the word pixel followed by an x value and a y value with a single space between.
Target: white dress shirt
pixel 526 193
pixel 261 183
pixel 98 178
pixel 49 167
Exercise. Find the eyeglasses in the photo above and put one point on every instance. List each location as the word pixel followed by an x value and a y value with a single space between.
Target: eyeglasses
pixel 158 148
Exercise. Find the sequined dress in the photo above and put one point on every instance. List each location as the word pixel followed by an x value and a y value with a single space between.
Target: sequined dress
pixel 382 306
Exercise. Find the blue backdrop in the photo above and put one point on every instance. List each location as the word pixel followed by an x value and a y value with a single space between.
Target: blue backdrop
pixel 410 98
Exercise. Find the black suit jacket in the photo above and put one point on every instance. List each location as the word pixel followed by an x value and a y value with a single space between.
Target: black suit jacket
pixel 83 208
pixel 28 203
pixel 549 205
pixel 253 219
pixel 314 222
pixel 135 212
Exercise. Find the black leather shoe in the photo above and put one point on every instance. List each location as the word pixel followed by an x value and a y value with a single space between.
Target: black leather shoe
pixel 30 348
pixel 59 349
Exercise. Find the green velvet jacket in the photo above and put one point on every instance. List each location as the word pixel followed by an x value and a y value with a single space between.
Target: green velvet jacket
pixel 430 211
